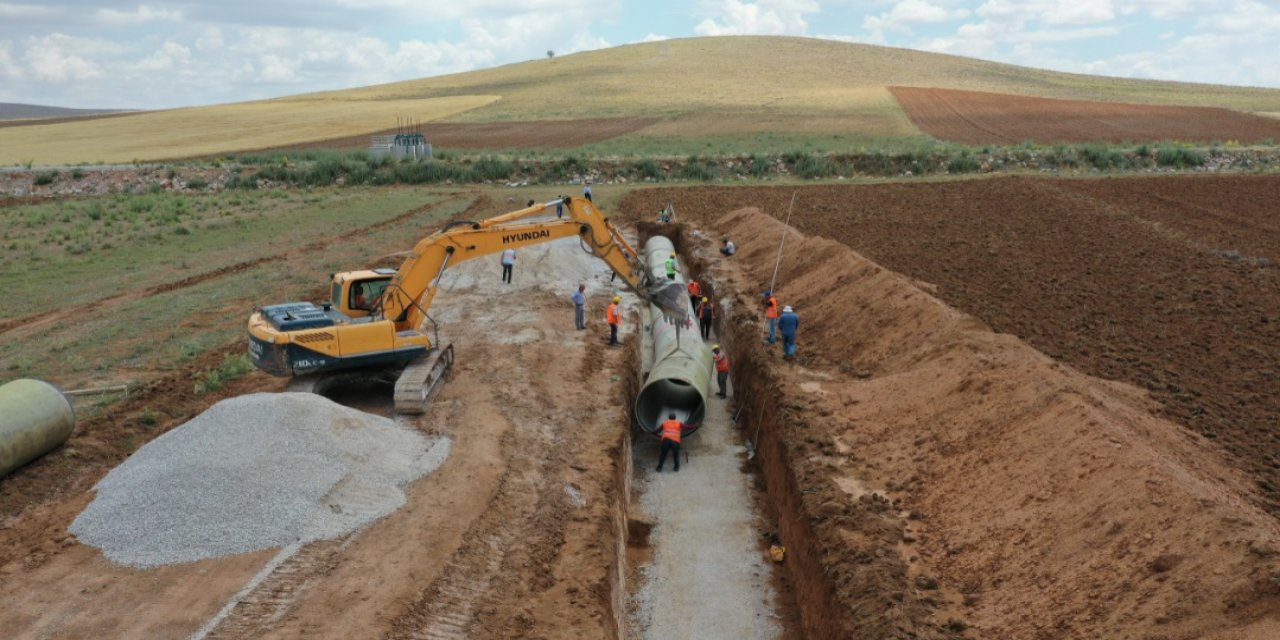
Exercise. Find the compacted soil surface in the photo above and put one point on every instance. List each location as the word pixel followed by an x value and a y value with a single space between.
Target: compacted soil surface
pixel 977 117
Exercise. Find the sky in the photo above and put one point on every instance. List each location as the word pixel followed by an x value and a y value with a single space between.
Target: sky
pixel 172 53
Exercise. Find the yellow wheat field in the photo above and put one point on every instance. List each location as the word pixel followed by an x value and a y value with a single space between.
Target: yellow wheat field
pixel 181 133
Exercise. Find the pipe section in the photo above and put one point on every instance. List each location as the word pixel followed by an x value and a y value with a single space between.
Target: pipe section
pixel 35 418
pixel 680 380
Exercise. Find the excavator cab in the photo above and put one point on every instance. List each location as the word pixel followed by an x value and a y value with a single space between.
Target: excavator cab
pixel 356 293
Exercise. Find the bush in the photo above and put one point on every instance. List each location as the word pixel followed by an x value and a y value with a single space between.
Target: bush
pixel 812 167
pixel 490 168
pixel 964 163
pixel 45 179
pixel 1101 157
pixel 243 182
pixel 760 167
pixel 197 184
pixel 1179 158
pixel 649 169
pixel 77 174
pixel 696 170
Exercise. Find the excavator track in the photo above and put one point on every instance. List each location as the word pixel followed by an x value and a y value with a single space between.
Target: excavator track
pixel 420 379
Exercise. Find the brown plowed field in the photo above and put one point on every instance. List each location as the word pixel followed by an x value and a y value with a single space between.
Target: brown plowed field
pixel 535 134
pixel 977 117
pixel 1170 284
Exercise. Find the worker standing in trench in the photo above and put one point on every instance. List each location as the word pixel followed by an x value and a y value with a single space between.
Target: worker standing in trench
pixel 613 317
pixel 788 324
pixel 722 368
pixel 706 315
pixel 771 316
pixel 671 430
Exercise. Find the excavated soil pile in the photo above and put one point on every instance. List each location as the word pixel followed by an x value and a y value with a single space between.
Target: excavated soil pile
pixel 1169 284
pixel 976 117
pixel 1033 501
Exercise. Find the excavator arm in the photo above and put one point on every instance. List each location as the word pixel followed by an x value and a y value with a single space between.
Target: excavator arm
pixel 411 291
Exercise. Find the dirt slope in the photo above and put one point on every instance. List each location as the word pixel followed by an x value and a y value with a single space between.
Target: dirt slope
pixel 1034 501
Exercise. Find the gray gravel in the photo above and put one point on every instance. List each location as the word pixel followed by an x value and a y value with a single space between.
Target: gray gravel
pixel 255 472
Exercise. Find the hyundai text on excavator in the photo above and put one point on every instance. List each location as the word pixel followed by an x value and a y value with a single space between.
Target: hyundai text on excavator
pixel 374 322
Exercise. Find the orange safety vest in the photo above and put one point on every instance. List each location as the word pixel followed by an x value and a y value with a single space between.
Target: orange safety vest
pixel 694 288
pixel 771 307
pixel 722 361
pixel 671 431
pixel 611 314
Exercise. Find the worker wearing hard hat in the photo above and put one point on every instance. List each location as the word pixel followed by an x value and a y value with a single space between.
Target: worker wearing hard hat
pixel 613 317
pixel 706 315
pixel 695 292
pixel 771 316
pixel 788 322
pixel 722 368
pixel 671 431
pixel 671 267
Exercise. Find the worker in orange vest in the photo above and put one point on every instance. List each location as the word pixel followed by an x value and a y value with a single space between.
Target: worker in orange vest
pixel 671 430
pixel 706 314
pixel 695 293
pixel 613 317
pixel 771 316
pixel 722 367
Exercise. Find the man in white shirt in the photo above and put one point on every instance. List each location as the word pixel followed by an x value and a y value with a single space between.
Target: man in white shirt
pixel 728 249
pixel 508 260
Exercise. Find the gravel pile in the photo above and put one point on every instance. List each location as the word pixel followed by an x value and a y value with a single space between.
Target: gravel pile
pixel 251 473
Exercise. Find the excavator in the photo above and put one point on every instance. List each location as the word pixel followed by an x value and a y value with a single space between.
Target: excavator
pixel 374 324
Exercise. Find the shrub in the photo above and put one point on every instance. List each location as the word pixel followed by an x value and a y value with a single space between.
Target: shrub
pixel 243 182
pixel 77 173
pixel 1179 158
pixel 45 179
pixel 964 163
pixel 197 184
pixel 812 167
pixel 760 167
pixel 490 168
pixel 696 170
pixel 648 168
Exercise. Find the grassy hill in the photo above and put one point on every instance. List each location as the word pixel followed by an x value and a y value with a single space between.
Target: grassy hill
pixel 727 94
pixel 14 111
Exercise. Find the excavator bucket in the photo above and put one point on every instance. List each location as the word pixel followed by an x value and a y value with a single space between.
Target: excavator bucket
pixel 672 298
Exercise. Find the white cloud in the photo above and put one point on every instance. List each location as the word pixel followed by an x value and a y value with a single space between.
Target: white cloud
pixel 9 69
pixel 653 37
pixel 171 56
pixel 763 17
pixel 210 39
pixel 16 12
pixel 141 14
pixel 59 58
pixel 1054 12
pixel 908 13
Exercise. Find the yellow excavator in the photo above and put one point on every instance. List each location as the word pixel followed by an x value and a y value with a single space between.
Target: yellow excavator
pixel 375 321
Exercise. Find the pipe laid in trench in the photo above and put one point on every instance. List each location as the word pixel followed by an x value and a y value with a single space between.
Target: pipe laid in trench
pixel 680 380
pixel 34 419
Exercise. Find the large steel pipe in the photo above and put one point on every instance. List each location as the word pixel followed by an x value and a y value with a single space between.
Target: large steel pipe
pixel 34 418
pixel 680 379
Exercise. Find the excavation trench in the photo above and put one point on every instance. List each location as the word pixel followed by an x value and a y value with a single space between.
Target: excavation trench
pixel 697 539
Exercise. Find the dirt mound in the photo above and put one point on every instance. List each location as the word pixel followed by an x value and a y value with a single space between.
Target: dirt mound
pixel 1034 501
pixel 977 117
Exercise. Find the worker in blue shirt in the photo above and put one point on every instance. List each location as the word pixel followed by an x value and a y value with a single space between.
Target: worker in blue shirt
pixel 787 325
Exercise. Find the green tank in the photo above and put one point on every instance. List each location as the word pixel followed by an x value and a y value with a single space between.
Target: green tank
pixel 34 419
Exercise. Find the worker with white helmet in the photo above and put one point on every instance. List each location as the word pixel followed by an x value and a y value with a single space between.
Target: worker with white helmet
pixel 788 322
pixel 613 317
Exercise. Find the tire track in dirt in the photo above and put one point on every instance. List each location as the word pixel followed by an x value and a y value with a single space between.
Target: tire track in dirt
pixel 36 321
pixel 521 523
